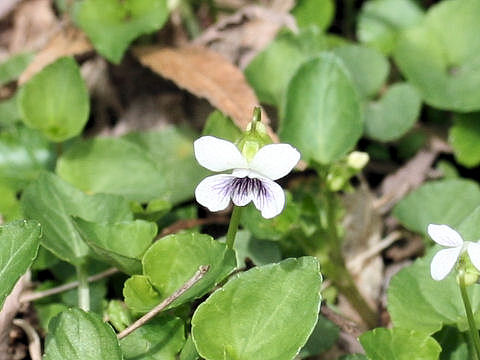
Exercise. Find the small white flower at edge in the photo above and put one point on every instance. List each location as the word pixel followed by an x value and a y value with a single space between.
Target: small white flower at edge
pixel 444 261
pixel 250 180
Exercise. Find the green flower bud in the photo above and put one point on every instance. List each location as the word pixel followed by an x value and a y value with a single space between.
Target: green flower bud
pixel 467 270
pixel 254 137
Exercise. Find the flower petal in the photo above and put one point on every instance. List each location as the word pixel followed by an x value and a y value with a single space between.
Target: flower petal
pixel 444 235
pixel 214 192
pixel 443 262
pixel 217 154
pixel 275 160
pixel 473 250
pixel 271 200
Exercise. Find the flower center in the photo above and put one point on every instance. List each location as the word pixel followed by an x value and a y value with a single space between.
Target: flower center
pixel 244 186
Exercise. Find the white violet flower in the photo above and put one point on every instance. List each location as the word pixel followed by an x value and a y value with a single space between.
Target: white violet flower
pixel 444 261
pixel 250 180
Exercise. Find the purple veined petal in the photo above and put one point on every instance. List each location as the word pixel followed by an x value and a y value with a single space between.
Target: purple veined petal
pixel 214 192
pixel 270 200
pixel 444 235
pixel 443 262
pixel 473 250
pixel 274 161
pixel 217 154
pixel 243 189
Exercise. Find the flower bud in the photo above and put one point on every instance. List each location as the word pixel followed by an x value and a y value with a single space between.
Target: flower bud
pixel 254 137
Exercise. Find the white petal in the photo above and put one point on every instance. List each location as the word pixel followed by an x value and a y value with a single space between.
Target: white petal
pixel 275 160
pixel 271 201
pixel 444 235
pixel 217 154
pixel 242 197
pixel 443 262
pixel 473 250
pixel 213 192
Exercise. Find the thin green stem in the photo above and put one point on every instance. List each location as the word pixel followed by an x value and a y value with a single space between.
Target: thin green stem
pixel 233 226
pixel 468 309
pixel 83 288
pixel 189 19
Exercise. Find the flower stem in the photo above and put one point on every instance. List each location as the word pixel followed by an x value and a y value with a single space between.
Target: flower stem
pixel 468 309
pixel 233 226
pixel 83 288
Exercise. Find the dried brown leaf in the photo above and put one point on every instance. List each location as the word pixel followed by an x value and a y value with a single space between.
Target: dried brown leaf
pixel 65 43
pixel 207 75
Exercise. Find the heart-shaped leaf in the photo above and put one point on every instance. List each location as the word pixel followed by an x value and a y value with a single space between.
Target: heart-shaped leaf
pixel 19 242
pixel 55 100
pixel 267 312
pixel 112 25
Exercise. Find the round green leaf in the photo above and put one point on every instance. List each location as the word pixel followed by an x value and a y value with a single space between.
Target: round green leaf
pixel 113 24
pixel 314 12
pixel 77 335
pixel 380 22
pixel 464 136
pixel 56 101
pixel 443 61
pixel 174 259
pixel 266 313
pixel 323 117
pixel 399 344
pixel 368 67
pixel 120 244
pixel 19 242
pixel 394 114
pixel 438 202
pixel 159 339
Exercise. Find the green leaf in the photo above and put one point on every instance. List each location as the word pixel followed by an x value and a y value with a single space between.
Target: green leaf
pixel 368 67
pixel 174 259
pixel 189 352
pixel 416 301
pixel 118 315
pixel 464 136
pixel 138 166
pixel 399 344
pixel 469 226
pixel 221 126
pixel 52 202
pixel 324 335
pixel 380 22
pixel 24 153
pixel 443 61
pixel 9 205
pixel 139 294
pixel 47 312
pixel 159 339
pixel 454 344
pixel 259 252
pixel 439 202
pixel 323 117
pixel 77 335
pixel 154 211
pixel 13 67
pixel 271 70
pixel 314 12
pixel 267 312
pixel 394 114
pixel 19 242
pixel 120 244
pixel 55 101
pixel 112 25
